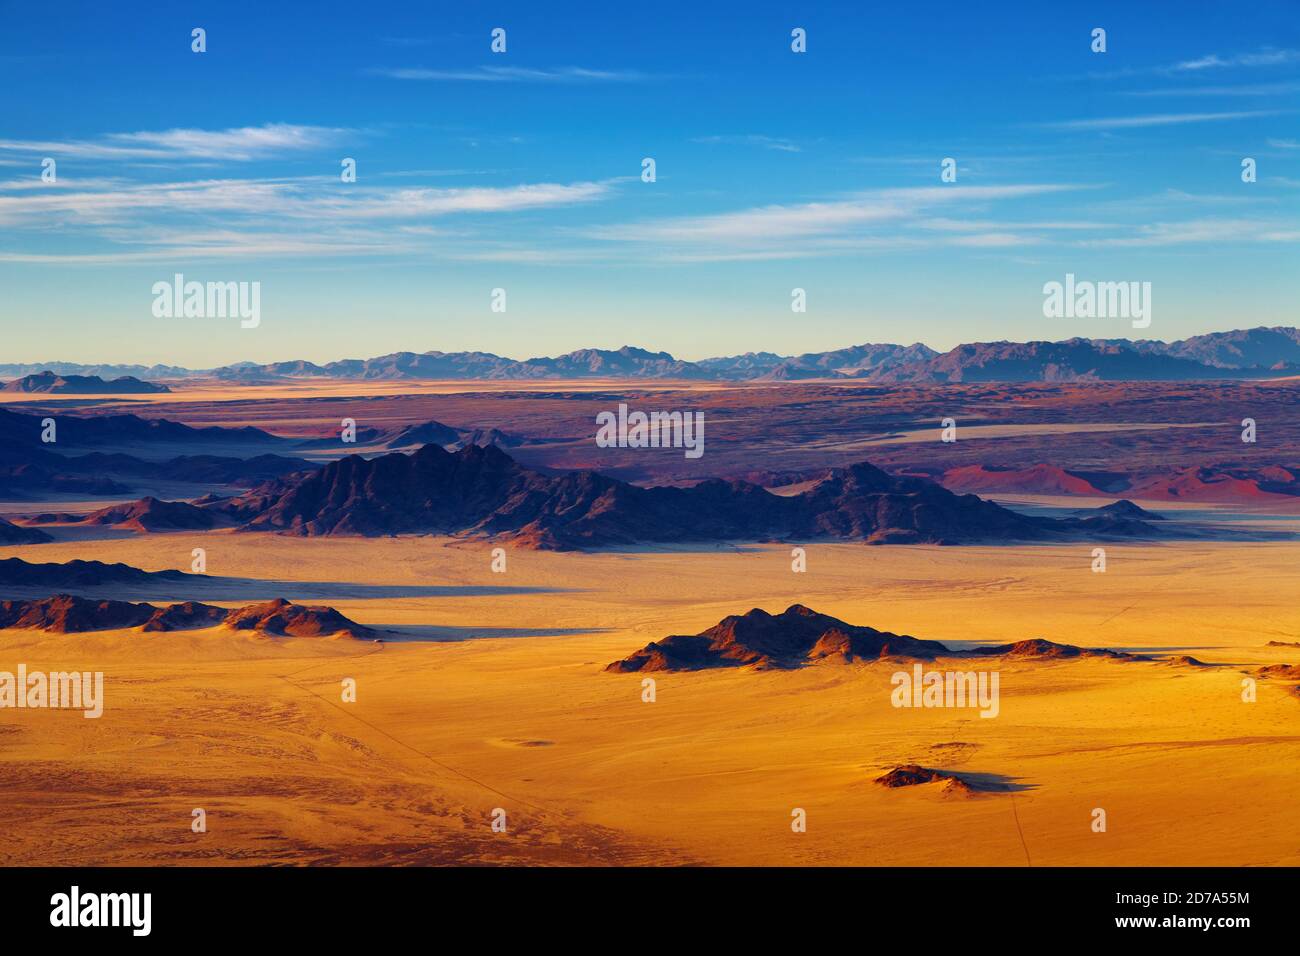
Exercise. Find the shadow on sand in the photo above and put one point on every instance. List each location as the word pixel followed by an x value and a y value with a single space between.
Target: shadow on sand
pixel 399 633
pixel 201 588
pixel 991 782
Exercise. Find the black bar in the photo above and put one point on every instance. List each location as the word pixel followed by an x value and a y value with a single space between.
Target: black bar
pixel 330 905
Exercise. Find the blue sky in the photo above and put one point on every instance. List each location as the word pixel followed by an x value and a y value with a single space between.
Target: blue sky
pixel 521 171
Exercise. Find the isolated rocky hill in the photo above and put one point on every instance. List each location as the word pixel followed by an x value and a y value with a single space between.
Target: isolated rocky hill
pixel 800 635
pixel 11 533
pixel 796 636
pixel 48 382
pixel 66 614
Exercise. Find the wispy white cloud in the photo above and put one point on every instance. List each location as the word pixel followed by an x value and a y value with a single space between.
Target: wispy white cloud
pixel 305 200
pixel 944 224
pixel 1265 57
pixel 918 218
pixel 234 245
pixel 993 240
pixel 248 142
pixel 1244 89
pixel 1240 90
pixel 1158 119
pixel 823 247
pixel 311 217
pixel 35 182
pixel 417 203
pixel 38 209
pixel 82 148
pixel 512 74
pixel 1202 230
pixel 523 254
pixel 807 219
pixel 933 195
pixel 782 231
pixel 968 157
pixel 1206 199
pixel 751 139
pixel 236 144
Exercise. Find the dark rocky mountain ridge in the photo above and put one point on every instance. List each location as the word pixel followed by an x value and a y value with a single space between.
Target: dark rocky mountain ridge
pixel 481 490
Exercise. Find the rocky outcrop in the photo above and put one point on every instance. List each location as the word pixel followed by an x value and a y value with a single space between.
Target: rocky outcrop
pixel 11 533
pixel 796 636
pixel 66 614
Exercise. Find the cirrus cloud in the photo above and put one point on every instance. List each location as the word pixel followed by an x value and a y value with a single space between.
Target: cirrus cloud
pixel 236 144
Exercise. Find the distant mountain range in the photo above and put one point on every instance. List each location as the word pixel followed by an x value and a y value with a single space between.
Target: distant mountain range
pixel 1244 353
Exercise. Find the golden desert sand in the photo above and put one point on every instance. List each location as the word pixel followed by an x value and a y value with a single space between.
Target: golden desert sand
pixel 500 700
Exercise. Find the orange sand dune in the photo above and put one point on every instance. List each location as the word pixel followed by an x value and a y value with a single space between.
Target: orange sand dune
pixel 500 700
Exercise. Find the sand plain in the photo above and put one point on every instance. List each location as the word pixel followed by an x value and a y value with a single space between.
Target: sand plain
pixel 491 693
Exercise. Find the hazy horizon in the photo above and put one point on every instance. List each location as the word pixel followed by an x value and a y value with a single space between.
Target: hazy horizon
pixel 556 354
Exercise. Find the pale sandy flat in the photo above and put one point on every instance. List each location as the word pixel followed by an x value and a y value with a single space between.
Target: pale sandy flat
pixel 204 391
pixel 970 432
